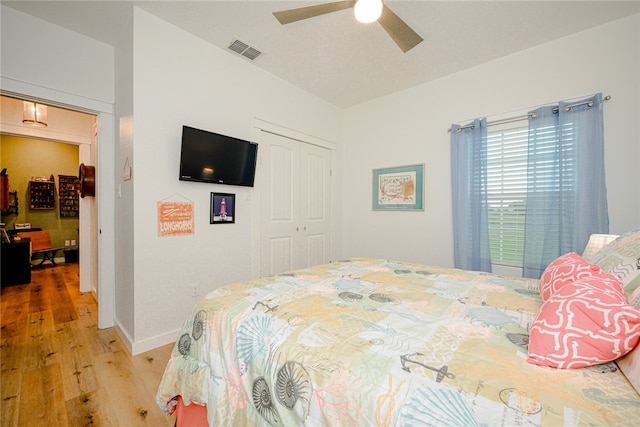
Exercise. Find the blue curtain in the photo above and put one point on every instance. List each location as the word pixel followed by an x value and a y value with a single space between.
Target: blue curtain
pixel 566 193
pixel 469 189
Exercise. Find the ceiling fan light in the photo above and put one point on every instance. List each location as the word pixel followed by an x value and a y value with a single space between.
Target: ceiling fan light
pixel 367 11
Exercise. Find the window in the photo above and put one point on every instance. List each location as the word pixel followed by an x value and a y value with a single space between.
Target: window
pixel 507 193
pixel 507 151
pixel 526 193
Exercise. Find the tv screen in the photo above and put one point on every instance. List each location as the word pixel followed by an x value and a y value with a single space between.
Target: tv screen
pixel 210 157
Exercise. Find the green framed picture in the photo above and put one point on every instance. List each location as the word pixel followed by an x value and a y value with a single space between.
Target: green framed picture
pixel 398 188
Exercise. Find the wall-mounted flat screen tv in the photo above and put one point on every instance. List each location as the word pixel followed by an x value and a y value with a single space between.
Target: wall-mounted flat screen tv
pixel 211 157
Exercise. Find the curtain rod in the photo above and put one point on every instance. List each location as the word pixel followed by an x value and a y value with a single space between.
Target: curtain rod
pixel 588 102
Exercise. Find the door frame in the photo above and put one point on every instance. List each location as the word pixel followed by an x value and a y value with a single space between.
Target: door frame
pixel 97 266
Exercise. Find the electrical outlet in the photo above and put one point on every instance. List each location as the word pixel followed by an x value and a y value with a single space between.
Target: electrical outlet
pixel 67 243
pixel 195 290
pixel 73 243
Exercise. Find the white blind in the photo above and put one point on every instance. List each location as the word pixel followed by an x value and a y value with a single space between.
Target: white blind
pixel 507 193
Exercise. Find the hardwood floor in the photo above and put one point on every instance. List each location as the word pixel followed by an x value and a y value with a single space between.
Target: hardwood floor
pixel 59 369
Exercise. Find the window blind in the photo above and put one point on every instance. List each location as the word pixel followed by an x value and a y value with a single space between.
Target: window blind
pixel 507 193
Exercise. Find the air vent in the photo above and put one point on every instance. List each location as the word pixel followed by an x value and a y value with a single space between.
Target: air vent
pixel 244 49
pixel 238 47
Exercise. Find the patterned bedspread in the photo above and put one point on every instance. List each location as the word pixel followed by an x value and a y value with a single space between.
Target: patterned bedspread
pixel 369 342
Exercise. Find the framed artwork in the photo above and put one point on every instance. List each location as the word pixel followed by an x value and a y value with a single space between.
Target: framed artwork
pixel 175 217
pixel 223 208
pixel 398 188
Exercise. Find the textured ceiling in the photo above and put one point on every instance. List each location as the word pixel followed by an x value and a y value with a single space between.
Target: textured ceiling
pixel 335 57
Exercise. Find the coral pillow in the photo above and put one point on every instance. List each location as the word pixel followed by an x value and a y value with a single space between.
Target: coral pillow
pixel 565 269
pixel 585 323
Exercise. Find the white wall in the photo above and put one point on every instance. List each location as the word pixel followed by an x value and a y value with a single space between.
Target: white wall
pixel 411 127
pixel 124 200
pixel 181 80
pixel 44 54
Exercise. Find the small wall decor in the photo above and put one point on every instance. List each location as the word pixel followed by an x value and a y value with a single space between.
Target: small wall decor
pixel 223 208
pixel 175 217
pixel 398 188
pixel 126 170
pixel 87 177
pixel 68 191
pixel 42 195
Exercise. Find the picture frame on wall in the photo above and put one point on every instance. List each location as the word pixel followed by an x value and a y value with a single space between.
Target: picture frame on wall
pixel 399 188
pixel 223 208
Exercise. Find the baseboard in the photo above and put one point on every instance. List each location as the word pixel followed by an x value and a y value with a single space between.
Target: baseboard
pixel 155 342
pixel 124 336
pixel 148 344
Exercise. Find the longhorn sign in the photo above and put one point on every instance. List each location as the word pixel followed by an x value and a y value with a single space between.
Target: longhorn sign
pixel 441 373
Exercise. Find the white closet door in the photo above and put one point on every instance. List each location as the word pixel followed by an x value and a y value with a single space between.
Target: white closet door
pixel 314 209
pixel 279 209
pixel 295 228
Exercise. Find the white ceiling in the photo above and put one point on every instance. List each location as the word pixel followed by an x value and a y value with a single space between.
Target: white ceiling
pixel 335 57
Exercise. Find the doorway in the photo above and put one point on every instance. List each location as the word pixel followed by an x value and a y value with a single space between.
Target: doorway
pixel 96 235
pixel 36 155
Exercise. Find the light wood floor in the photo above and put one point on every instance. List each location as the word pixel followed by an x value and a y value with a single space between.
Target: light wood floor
pixel 59 369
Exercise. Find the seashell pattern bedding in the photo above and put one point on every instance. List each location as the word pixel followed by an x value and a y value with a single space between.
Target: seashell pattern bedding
pixel 369 342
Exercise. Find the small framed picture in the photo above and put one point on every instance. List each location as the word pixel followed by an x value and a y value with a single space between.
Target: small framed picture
pixel 398 188
pixel 223 208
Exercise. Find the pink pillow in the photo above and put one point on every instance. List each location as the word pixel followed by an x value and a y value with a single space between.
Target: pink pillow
pixel 565 269
pixel 585 323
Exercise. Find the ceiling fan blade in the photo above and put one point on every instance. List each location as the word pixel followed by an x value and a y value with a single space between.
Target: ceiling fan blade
pixel 399 31
pixel 293 15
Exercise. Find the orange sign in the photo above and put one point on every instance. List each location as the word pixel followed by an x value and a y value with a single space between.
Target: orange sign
pixel 175 218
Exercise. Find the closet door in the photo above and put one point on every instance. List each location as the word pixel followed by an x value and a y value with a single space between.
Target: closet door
pixel 295 193
pixel 278 203
pixel 314 209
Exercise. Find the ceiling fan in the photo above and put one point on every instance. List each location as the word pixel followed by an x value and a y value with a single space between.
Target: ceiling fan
pixel 397 29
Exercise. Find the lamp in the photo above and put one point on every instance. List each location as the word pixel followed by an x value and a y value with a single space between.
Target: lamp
pixel 34 114
pixel 367 11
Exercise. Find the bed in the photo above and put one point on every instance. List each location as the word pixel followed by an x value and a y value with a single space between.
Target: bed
pixel 371 342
